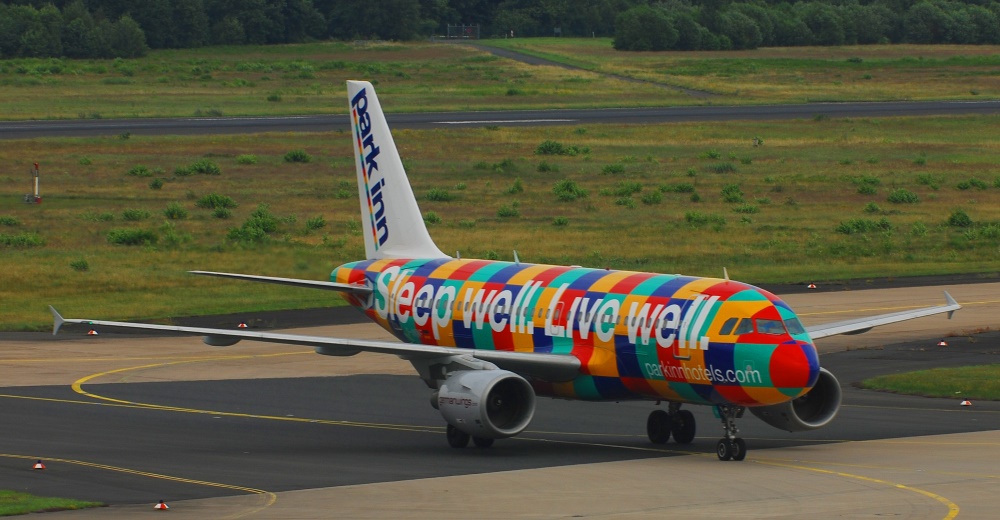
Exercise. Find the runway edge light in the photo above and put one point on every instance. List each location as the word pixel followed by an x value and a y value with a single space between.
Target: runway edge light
pixel 38 465
pixel 942 343
pixel 161 506
pixel 92 332
pixel 966 402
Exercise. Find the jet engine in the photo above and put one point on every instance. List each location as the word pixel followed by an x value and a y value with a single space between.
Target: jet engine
pixel 490 404
pixel 811 411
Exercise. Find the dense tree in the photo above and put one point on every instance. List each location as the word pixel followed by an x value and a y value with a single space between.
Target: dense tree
pixel 741 31
pixel 644 28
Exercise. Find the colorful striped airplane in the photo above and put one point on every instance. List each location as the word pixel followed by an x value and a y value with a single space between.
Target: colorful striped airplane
pixel 488 337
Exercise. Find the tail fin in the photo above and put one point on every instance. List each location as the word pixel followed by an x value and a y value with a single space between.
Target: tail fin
pixel 394 227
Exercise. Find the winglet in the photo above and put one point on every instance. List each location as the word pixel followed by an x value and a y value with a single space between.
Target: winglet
pixel 951 301
pixel 725 274
pixel 58 320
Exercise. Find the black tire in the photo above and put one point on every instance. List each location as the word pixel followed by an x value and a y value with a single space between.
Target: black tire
pixel 739 449
pixel 457 438
pixel 683 427
pixel 482 442
pixel 724 449
pixel 658 426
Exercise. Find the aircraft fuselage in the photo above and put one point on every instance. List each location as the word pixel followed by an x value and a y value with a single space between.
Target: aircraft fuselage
pixel 637 335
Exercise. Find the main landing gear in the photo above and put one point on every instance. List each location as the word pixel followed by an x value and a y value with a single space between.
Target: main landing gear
pixel 662 424
pixel 730 447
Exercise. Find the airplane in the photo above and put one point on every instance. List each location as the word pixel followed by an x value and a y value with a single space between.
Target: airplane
pixel 488 337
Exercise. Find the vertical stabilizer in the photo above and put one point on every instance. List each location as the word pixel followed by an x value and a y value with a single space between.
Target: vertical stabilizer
pixel 393 225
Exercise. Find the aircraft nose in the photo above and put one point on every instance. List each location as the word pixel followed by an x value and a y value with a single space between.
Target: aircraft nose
pixel 794 366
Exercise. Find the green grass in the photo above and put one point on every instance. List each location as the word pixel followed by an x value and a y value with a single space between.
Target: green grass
pixel 793 238
pixel 973 382
pixel 309 78
pixel 17 503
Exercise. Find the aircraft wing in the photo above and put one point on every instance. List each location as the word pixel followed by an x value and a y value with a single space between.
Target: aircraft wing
pixel 548 367
pixel 859 325
pixel 359 290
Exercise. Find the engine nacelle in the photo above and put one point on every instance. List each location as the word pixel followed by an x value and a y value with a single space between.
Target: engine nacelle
pixel 811 411
pixel 492 404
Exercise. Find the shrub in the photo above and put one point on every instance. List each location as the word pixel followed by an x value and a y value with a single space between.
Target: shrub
pixel 9 221
pixel 684 187
pixel 517 187
pixel 746 208
pixel 959 218
pixel 863 225
pixel 556 148
pixel 274 98
pixel 432 218
pixel 297 156
pixel 567 190
pixel 156 184
pixel 652 197
pixel 172 237
pixel 460 186
pixel 696 218
pixel 867 189
pixel 214 200
pixel 627 202
pixel 257 227
pixel 560 221
pixel 872 208
pixel 134 215
pixel 725 167
pixel 506 165
pixel 508 212
pixel 80 265
pixel 903 196
pixel 732 193
pixel 613 169
pixel 21 240
pixel 624 189
pixel 139 171
pixel 131 237
pixel 202 166
pixel 222 213
pixel 973 183
pixel 918 229
pixel 546 167
pixel 711 154
pixel 175 211
pixel 927 179
pixel 439 195
pixel 316 222
pixel 246 159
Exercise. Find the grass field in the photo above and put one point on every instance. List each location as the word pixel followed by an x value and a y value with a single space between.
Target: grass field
pixel 308 78
pixel 975 382
pixel 16 503
pixel 813 202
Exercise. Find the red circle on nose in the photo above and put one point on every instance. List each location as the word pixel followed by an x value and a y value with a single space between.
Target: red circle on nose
pixel 789 366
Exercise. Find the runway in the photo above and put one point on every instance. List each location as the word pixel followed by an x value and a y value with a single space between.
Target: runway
pixel 194 424
pixel 398 121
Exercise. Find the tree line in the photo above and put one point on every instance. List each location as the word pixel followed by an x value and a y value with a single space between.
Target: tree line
pixel 127 28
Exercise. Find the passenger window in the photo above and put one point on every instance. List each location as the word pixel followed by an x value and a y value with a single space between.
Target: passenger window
pixel 727 327
pixel 745 327
pixel 770 327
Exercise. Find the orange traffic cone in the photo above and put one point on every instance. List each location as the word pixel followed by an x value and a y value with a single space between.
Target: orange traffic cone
pixel 242 325
pixel 811 286
pixel 966 402
pixel 38 465
pixel 942 343
pixel 92 332
pixel 161 506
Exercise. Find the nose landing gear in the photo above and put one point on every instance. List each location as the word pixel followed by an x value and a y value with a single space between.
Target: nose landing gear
pixel 730 447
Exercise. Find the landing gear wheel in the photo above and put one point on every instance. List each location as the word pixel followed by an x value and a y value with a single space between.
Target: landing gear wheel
pixel 658 426
pixel 457 438
pixel 482 442
pixel 739 449
pixel 724 449
pixel 683 427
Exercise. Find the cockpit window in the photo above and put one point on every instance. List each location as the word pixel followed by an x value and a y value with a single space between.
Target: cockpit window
pixel 770 327
pixel 794 326
pixel 727 327
pixel 745 327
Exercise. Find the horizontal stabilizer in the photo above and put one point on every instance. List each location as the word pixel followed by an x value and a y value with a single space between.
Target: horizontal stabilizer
pixel 359 290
